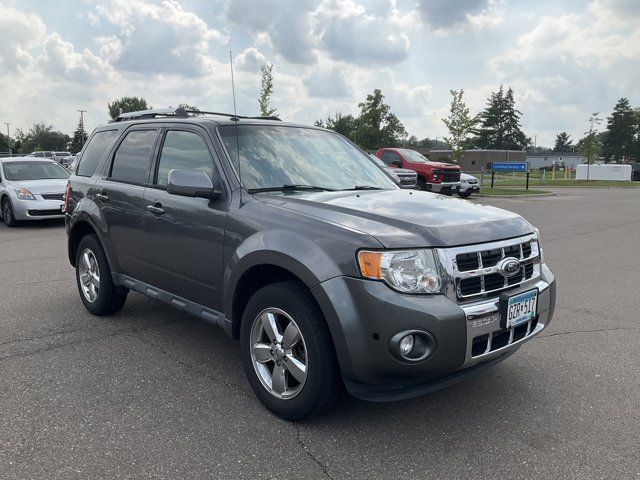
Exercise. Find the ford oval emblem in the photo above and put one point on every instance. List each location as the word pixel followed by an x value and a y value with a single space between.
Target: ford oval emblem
pixel 509 267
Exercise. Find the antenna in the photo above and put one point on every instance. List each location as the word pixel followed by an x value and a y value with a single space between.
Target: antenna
pixel 236 120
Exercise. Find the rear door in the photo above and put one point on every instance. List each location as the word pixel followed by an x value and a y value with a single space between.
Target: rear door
pixel 184 236
pixel 119 196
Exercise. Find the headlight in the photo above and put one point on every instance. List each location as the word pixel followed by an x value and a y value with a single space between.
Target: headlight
pixel 408 271
pixel 24 194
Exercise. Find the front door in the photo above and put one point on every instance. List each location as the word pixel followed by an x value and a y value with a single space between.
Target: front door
pixel 184 236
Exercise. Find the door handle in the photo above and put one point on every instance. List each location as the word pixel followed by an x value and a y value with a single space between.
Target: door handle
pixel 156 208
pixel 102 197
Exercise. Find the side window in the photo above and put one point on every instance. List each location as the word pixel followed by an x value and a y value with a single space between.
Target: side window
pixel 389 157
pixel 95 151
pixel 183 150
pixel 131 161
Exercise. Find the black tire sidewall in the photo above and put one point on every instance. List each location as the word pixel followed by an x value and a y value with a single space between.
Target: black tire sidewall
pixel 464 194
pixel 109 299
pixel 322 381
pixel 11 221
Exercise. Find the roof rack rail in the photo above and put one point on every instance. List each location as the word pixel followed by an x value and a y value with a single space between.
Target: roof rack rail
pixel 180 113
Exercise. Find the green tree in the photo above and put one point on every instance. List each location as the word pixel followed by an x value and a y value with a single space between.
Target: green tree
pixel 42 137
pixel 4 142
pixel 500 123
pixel 126 105
pixel 619 141
pixel 563 143
pixel 461 125
pixel 590 146
pixel 346 125
pixel 79 139
pixel 377 125
pixel 266 91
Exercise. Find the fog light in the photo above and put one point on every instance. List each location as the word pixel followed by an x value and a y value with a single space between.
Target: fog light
pixel 406 345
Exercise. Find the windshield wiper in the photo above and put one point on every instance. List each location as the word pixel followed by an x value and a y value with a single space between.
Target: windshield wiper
pixel 287 187
pixel 363 187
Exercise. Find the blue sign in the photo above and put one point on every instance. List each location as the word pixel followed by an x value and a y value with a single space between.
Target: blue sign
pixel 510 167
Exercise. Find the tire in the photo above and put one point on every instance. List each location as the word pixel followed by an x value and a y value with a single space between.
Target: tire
pixel 94 275
pixel 289 303
pixel 464 194
pixel 422 184
pixel 7 213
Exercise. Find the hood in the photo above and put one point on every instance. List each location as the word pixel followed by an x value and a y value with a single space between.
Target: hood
pixel 407 218
pixel 42 186
pixel 444 165
pixel 466 176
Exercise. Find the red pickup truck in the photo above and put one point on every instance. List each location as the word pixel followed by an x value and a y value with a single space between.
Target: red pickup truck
pixel 432 176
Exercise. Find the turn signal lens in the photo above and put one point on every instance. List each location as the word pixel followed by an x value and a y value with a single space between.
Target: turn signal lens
pixel 370 264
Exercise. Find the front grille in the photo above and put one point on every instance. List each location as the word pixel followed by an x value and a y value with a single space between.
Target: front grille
pixel 44 213
pixel 476 272
pixel 406 179
pixel 489 342
pixel 53 196
pixel 451 176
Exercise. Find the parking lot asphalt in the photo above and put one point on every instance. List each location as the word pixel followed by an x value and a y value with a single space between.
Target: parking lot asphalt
pixel 151 392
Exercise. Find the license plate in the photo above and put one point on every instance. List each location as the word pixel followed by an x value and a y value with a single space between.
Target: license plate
pixel 521 308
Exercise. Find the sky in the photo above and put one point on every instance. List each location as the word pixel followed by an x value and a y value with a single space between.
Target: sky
pixel 564 59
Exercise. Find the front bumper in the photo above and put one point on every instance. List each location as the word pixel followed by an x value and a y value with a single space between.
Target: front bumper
pixel 37 209
pixel 444 187
pixel 473 187
pixel 363 315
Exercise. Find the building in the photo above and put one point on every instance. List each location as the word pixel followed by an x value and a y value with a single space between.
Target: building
pixel 480 159
pixel 548 160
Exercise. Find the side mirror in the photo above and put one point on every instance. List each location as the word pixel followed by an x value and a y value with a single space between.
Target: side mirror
pixel 191 183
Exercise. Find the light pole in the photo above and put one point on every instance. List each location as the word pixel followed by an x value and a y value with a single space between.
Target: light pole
pixel 8 137
pixel 82 112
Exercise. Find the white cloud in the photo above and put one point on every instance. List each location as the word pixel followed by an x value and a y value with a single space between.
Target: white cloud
pixel 157 38
pixel 20 33
pixel 250 60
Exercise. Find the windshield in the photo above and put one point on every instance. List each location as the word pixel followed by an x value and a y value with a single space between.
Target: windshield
pixel 414 157
pixel 273 156
pixel 30 170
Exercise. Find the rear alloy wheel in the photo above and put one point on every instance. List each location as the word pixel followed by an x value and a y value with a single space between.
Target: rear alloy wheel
pixel 287 351
pixel 7 213
pixel 97 291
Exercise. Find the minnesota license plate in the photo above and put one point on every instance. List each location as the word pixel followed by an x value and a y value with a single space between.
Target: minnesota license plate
pixel 521 308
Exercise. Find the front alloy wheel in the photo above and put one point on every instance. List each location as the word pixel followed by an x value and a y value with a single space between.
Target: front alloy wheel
pixel 278 353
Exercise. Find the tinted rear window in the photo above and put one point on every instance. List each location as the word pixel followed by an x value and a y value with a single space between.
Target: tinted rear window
pixel 95 151
pixel 131 161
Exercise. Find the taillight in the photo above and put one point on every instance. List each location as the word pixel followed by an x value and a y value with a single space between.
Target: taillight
pixel 67 194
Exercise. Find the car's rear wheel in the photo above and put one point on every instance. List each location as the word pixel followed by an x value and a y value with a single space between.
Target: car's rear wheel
pixel 97 291
pixel 7 213
pixel 287 352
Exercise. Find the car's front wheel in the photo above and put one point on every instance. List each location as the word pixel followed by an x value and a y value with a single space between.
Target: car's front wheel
pixel 465 194
pixel 287 352
pixel 7 213
pixel 97 291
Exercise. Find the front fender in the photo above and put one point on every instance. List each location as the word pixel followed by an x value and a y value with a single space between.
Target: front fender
pixel 285 249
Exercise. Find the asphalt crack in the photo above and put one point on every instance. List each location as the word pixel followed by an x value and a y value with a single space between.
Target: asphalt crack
pixel 309 453
pixel 617 329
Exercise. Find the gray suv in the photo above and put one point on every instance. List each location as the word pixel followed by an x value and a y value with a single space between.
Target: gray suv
pixel 329 277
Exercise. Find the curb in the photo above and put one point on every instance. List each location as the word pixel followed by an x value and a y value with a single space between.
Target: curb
pixel 548 194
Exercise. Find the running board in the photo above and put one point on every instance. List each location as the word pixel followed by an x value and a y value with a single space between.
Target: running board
pixel 207 314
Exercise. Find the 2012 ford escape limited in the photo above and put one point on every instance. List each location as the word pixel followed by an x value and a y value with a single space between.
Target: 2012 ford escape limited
pixel 327 276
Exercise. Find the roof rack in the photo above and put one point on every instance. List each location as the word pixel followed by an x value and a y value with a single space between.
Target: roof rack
pixel 180 113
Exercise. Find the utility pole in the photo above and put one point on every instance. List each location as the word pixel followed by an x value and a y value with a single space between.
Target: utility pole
pixel 82 112
pixel 8 137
